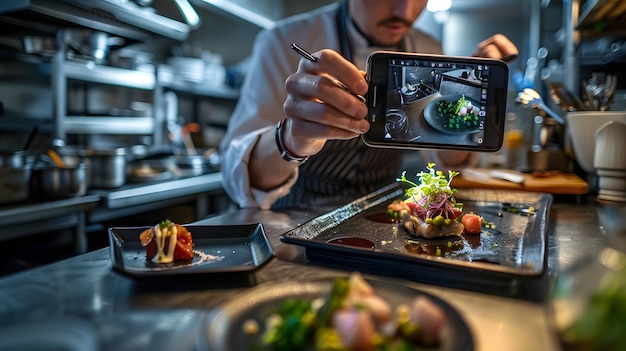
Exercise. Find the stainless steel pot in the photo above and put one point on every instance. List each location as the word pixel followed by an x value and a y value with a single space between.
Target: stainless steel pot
pixel 15 171
pixel 13 159
pixel 108 167
pixel 53 183
pixel 39 45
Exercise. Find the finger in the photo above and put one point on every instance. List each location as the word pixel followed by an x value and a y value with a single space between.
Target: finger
pixel 324 114
pixel 497 47
pixel 490 51
pixel 302 129
pixel 323 88
pixel 333 64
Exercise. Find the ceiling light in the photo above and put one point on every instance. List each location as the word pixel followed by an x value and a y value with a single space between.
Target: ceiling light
pixel 438 5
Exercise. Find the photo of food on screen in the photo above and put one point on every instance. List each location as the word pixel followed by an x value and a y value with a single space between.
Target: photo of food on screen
pixel 436 102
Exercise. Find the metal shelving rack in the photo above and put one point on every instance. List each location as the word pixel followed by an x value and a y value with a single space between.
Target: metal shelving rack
pixel 63 70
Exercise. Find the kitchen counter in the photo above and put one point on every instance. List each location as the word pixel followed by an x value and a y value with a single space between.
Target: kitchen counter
pixel 22 219
pixel 113 312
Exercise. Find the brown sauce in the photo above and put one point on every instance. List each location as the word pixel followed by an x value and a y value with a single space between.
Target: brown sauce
pixel 473 240
pixel 381 217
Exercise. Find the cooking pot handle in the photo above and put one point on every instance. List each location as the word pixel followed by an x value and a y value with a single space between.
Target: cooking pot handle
pixel 189 13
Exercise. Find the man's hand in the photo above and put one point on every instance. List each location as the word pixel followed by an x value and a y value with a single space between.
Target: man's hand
pixel 497 47
pixel 318 108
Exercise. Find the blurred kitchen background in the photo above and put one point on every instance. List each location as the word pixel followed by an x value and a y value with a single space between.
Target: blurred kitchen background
pixel 142 90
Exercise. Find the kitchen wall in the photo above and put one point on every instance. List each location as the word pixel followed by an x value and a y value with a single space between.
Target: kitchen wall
pixel 228 30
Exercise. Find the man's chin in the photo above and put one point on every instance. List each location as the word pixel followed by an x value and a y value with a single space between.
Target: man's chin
pixel 391 36
pixel 389 41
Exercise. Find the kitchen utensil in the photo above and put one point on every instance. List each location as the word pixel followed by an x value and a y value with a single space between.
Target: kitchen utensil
pixel 53 183
pixel 582 126
pixel 609 160
pixel 144 172
pixel 599 90
pixel 186 131
pixel 397 123
pixel 136 56
pixel 531 98
pixel 89 43
pixel 12 159
pixel 108 167
pixel 15 171
pixel 564 98
pixel 312 58
pixel 511 176
pixel 554 182
pixel 28 142
pixel 191 164
pixel 41 45
pixel 56 158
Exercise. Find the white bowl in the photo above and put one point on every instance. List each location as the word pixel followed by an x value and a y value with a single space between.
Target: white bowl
pixel 582 127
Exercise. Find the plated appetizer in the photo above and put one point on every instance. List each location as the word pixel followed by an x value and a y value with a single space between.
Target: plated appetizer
pixel 459 115
pixel 352 316
pixel 430 209
pixel 167 242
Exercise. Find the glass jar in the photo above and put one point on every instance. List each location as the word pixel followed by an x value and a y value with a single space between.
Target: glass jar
pixel 588 302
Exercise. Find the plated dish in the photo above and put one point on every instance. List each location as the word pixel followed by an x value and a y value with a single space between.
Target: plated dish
pixel 217 249
pixel 224 332
pixel 508 259
pixel 453 114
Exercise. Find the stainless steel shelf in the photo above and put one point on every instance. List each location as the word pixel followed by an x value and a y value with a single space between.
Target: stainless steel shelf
pixel 222 92
pixel 31 212
pixel 108 125
pixel 168 79
pixel 603 17
pixel 138 195
pixel 90 72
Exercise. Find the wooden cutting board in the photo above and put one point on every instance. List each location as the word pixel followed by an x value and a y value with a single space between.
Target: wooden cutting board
pixel 552 182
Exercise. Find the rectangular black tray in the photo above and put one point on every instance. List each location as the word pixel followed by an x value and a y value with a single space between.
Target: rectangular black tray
pixel 238 249
pixel 510 260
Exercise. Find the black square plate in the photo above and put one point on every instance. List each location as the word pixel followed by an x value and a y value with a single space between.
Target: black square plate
pixel 499 260
pixel 220 249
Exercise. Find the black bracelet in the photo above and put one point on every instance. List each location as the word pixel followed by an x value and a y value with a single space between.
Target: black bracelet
pixel 284 153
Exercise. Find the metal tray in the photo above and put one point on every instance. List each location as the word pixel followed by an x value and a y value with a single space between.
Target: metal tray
pixel 235 249
pixel 509 260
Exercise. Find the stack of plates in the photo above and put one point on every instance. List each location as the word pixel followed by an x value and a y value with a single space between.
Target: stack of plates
pixel 188 68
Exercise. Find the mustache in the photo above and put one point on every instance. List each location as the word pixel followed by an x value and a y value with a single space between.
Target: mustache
pixel 395 20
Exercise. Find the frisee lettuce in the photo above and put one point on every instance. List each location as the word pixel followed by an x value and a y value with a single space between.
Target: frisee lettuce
pixel 433 193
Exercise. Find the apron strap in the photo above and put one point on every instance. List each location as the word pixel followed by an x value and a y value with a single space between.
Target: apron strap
pixel 342 30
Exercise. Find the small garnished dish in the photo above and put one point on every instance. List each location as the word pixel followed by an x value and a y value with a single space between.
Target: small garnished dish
pixel 167 242
pixel 430 209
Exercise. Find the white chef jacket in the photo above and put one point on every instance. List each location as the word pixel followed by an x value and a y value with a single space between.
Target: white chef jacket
pixel 263 93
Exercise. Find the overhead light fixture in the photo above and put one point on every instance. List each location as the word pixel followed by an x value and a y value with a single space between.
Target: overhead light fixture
pixel 242 12
pixel 439 8
pixel 438 5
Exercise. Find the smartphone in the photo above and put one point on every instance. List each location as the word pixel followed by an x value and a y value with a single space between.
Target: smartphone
pixel 418 101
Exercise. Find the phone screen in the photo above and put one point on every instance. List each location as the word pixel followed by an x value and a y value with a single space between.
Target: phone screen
pixel 435 101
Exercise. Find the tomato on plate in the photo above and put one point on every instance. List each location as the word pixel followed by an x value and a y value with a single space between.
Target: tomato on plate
pixel 472 223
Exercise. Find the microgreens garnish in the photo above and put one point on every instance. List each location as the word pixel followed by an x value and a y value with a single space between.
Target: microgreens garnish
pixel 166 223
pixel 433 194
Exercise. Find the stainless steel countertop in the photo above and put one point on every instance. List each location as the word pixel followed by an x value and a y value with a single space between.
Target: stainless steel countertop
pixel 125 196
pixel 122 314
